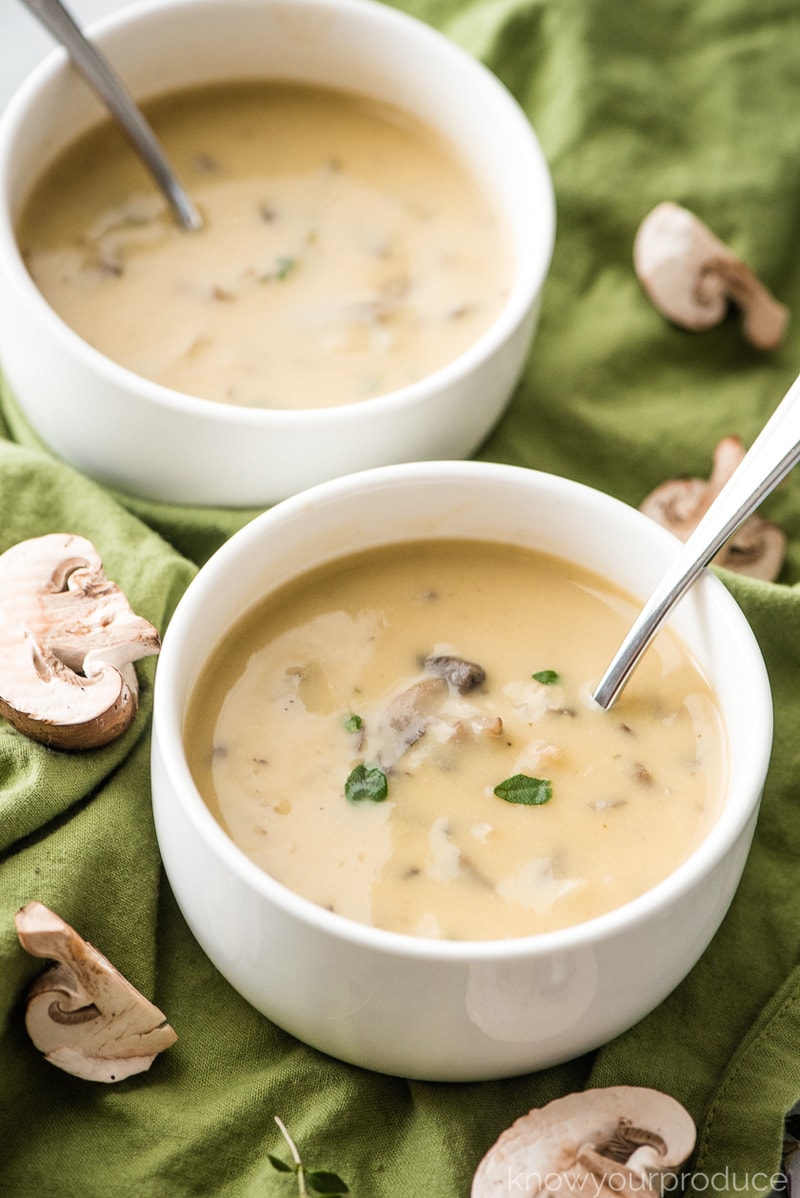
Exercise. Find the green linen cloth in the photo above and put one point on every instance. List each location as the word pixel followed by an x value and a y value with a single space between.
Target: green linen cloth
pixel 635 101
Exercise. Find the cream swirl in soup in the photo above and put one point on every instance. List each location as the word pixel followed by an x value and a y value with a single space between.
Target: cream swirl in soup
pixel 407 737
pixel 346 251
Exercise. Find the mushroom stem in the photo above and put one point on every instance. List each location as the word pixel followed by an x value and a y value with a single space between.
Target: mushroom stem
pixel 615 1175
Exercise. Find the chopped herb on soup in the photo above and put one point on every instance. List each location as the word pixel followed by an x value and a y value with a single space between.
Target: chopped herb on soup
pixel 527 791
pixel 366 782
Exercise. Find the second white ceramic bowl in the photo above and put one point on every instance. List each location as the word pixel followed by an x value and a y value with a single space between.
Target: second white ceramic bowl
pixel 431 1009
pixel 151 441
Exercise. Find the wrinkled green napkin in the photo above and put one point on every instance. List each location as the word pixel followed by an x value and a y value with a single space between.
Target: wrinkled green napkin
pixel 690 100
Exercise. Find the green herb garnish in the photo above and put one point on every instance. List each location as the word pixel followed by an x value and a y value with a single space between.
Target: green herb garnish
pixel 284 267
pixel 353 723
pixel 521 788
pixel 547 677
pixel 366 782
pixel 310 1182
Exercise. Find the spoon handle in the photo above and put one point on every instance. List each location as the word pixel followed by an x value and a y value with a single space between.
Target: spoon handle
pixel 98 73
pixel 772 455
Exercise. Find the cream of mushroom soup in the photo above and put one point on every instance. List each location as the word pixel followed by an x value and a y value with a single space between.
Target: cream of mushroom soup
pixel 407 737
pixel 346 251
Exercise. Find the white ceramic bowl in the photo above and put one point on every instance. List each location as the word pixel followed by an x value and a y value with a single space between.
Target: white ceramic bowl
pixel 432 1009
pixel 148 440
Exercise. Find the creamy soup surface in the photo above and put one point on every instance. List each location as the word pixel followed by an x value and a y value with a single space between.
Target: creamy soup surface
pixel 346 252
pixel 407 737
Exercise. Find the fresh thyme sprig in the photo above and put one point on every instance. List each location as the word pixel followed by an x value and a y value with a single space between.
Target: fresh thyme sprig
pixel 310 1182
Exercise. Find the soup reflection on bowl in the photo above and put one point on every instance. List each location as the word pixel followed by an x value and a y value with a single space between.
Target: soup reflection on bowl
pixel 376 759
pixel 378 226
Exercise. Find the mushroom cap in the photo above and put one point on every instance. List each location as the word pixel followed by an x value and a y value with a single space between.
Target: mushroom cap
pixel 558 1139
pixel 68 638
pixel 82 1013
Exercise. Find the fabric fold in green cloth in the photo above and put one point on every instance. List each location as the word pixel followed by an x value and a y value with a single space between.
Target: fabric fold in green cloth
pixel 633 104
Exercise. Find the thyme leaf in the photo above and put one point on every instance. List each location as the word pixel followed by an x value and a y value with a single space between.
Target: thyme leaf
pixel 366 782
pixel 279 1165
pixel 321 1181
pixel 310 1182
pixel 523 789
pixel 547 677
pixel 284 266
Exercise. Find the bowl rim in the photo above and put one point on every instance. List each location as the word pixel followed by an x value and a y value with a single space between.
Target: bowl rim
pixel 740 809
pixel 528 276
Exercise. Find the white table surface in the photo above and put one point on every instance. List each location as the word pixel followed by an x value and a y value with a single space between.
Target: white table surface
pixel 23 41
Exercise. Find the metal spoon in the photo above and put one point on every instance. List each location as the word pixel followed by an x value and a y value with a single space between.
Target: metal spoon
pixel 772 455
pixel 101 77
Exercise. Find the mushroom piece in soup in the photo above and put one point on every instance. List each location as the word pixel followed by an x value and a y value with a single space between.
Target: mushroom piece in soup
pixel 407 737
pixel 346 250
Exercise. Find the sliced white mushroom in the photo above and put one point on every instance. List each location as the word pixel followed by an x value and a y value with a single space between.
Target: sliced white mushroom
pixel 405 719
pixel 536 755
pixel 758 547
pixel 473 727
pixel 533 699
pixel 625 1140
pixel 444 860
pixel 536 885
pixel 68 641
pixel 428 710
pixel 691 277
pixel 82 1013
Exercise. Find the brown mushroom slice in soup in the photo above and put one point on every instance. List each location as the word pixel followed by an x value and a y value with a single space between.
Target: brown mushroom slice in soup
pixel 399 798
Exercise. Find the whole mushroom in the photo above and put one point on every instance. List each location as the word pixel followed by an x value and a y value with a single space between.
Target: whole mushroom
pixel 692 277
pixel 623 1140
pixel 82 1013
pixel 68 641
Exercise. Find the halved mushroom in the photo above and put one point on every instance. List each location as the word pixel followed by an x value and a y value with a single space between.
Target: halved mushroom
pixel 82 1013
pixel 757 549
pixel 432 701
pixel 68 641
pixel 692 277
pixel 406 718
pixel 625 1140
